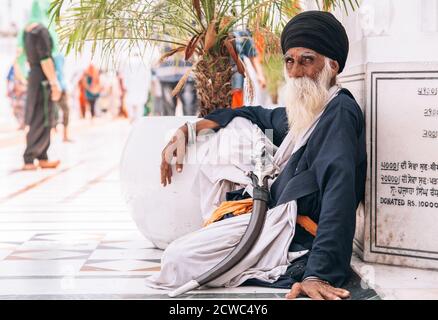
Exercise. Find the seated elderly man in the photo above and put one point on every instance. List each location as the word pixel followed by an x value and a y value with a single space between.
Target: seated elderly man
pixel 321 132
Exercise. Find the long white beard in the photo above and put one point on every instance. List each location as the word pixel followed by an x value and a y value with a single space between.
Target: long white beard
pixel 305 99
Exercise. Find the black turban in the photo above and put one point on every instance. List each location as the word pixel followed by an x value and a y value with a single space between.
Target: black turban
pixel 319 31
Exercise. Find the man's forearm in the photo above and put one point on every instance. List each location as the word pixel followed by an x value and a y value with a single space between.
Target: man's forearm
pixel 255 61
pixel 49 70
pixel 200 126
pixel 206 124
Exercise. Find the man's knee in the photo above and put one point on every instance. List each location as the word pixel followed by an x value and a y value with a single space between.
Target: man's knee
pixel 176 253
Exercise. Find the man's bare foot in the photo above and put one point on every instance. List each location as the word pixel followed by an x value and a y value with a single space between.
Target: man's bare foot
pixel 29 167
pixel 46 164
pixel 67 140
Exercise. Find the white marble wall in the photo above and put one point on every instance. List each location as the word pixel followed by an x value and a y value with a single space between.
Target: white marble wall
pixel 393 53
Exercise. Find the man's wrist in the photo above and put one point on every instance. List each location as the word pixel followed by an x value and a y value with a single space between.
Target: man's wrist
pixel 314 278
pixel 54 84
pixel 184 130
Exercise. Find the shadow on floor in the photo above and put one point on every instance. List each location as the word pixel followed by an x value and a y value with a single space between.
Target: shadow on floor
pixel 357 291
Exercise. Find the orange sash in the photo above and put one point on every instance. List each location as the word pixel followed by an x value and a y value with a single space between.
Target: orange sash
pixel 239 207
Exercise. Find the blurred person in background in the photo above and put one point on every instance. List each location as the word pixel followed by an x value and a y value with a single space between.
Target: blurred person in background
pixel 169 72
pixel 189 98
pixel 63 101
pixel 39 42
pixel 154 103
pixel 16 92
pixel 92 87
pixel 134 74
pixel 82 99
pixel 247 51
pixel 111 94
pixel 122 95
pixel 106 99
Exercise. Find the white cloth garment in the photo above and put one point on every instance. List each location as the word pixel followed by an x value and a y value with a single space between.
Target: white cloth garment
pixel 193 254
pixel 225 157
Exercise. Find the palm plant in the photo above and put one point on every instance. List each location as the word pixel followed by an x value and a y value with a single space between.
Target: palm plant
pixel 199 29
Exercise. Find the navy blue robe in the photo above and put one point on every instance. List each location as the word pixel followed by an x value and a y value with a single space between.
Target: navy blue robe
pixel 336 155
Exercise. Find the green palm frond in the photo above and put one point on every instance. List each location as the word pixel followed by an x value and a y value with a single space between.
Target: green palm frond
pixel 106 22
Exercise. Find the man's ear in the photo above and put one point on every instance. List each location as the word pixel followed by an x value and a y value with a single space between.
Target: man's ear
pixel 335 67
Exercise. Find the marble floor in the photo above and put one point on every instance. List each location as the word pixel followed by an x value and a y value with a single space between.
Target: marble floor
pixel 67 234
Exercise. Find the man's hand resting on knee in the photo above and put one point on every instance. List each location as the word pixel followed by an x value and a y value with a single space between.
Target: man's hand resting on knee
pixel 177 148
pixel 317 290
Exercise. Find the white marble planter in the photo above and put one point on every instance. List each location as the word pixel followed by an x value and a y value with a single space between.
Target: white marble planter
pixel 161 214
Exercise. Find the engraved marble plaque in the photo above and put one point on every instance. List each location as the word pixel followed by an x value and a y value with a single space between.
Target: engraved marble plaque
pixel 403 178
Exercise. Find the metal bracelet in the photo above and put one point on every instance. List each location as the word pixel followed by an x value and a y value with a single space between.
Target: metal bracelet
pixel 191 133
pixel 311 278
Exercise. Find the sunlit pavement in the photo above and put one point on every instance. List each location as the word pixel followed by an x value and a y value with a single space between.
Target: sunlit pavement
pixel 67 233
